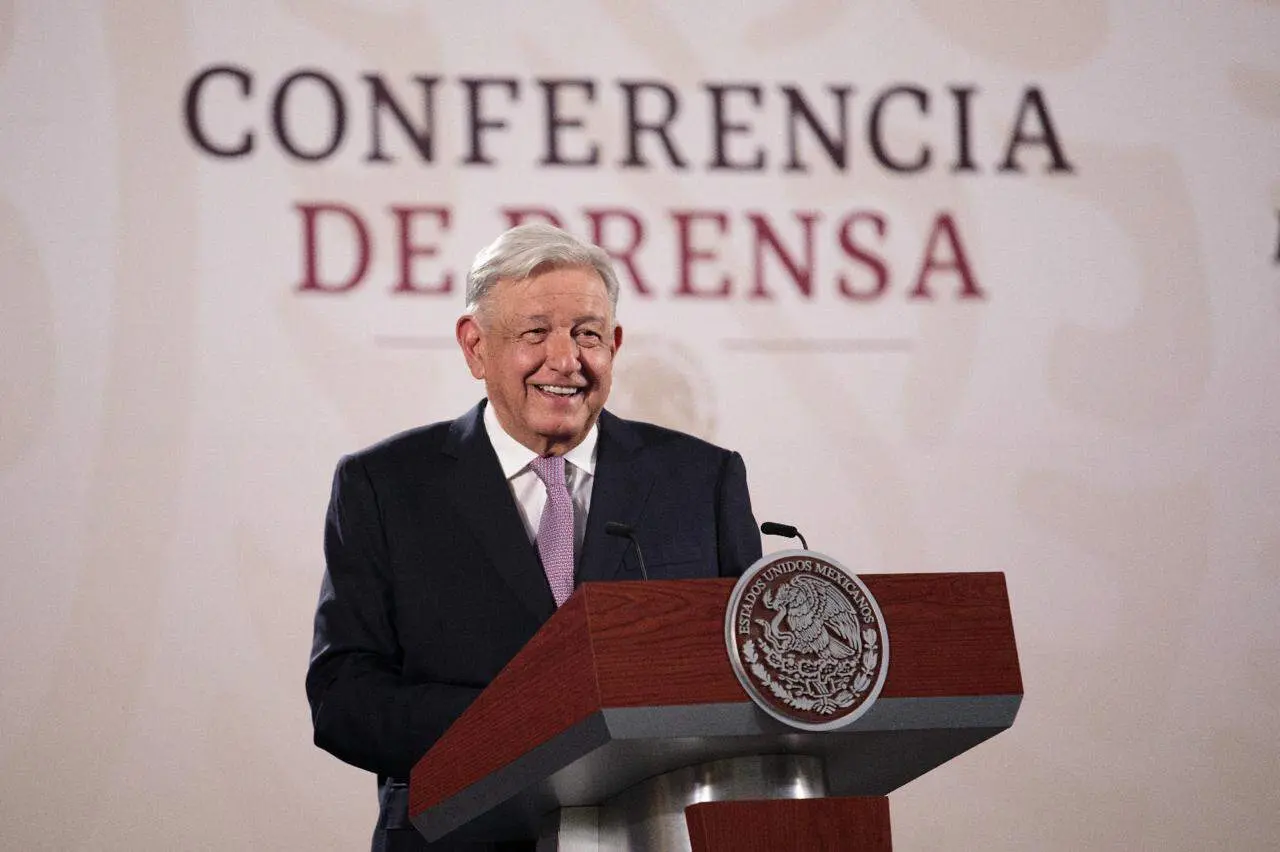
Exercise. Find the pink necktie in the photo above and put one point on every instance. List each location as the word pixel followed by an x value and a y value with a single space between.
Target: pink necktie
pixel 555 529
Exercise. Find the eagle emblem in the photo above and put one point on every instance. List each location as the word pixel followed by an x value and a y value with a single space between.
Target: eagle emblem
pixel 807 640
pixel 813 617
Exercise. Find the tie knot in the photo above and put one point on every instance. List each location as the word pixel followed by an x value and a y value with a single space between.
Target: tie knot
pixel 550 470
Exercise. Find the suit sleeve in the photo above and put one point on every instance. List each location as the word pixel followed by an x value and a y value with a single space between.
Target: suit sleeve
pixel 737 536
pixel 362 709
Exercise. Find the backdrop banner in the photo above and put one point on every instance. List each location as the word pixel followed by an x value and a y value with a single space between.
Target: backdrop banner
pixel 971 286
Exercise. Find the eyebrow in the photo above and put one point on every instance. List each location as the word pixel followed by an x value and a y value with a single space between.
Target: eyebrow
pixel 578 320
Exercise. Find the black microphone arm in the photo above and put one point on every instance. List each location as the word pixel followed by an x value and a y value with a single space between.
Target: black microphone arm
pixel 622 530
pixel 785 530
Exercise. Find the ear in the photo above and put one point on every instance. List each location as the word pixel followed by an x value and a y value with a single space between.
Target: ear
pixel 617 338
pixel 471 341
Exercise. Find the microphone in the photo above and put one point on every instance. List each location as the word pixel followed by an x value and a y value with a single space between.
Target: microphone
pixel 785 530
pixel 622 530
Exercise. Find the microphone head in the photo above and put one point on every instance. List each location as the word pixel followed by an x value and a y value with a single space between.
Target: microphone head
pixel 619 529
pixel 771 528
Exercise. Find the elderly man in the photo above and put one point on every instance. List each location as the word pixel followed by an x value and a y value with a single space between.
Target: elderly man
pixel 448 546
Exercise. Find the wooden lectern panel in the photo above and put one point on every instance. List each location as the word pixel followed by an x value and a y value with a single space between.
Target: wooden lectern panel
pixel 949 635
pixel 853 824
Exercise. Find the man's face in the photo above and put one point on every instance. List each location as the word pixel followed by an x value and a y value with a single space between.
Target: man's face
pixel 544 346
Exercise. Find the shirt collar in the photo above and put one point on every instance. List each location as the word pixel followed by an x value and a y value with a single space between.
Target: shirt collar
pixel 514 457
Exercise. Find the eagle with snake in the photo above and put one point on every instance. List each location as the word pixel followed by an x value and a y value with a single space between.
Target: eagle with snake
pixel 813 617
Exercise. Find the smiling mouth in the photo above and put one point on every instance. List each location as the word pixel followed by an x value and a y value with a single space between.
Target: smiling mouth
pixel 561 391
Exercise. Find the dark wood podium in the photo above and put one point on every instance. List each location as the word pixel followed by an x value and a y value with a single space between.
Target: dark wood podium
pixel 625 704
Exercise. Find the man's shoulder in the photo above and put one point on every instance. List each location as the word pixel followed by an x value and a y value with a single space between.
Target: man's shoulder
pixel 416 446
pixel 653 437
pixel 415 442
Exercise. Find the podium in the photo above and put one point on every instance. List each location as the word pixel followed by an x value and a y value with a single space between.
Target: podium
pixel 621 726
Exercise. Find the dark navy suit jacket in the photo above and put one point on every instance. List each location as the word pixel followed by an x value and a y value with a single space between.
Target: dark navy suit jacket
pixel 432 585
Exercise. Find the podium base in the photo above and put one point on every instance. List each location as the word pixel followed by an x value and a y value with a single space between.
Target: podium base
pixel 651 816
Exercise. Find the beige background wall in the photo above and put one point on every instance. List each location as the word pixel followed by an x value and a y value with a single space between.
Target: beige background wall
pixel 1103 425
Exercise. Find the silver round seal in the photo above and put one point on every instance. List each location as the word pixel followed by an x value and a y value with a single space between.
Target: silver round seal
pixel 807 640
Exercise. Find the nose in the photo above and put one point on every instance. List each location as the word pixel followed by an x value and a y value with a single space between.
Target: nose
pixel 562 353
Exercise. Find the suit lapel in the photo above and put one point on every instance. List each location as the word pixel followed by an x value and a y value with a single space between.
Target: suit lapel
pixel 483 498
pixel 621 487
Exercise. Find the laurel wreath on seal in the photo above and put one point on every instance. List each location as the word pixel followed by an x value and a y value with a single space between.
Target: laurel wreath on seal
pixel 822 684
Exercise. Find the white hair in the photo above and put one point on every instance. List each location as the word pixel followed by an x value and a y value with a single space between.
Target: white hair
pixel 528 250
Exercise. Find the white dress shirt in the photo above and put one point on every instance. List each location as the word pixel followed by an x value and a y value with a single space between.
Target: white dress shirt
pixel 531 495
